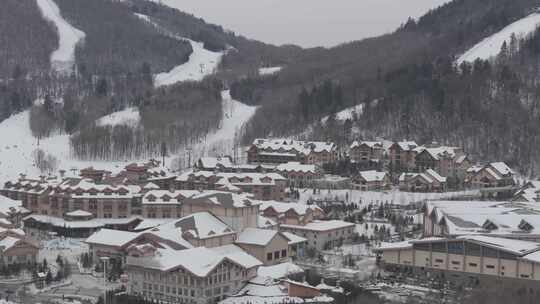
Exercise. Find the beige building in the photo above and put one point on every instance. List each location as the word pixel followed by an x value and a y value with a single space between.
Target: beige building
pixel 199 275
pixel 428 181
pixel 291 213
pixel 372 181
pixel 17 249
pixel 299 175
pixel 277 151
pixel 474 255
pixel 365 152
pixel 268 246
pixel 262 186
pixel 322 234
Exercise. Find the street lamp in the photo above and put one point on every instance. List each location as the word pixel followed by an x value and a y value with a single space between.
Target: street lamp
pixel 104 260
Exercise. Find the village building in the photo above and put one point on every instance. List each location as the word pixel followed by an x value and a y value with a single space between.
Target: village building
pixel 164 203
pixel 529 192
pixel 428 181
pixel 33 193
pixel 402 156
pixel 219 164
pixel 291 213
pixel 276 151
pixel 322 235
pixel 11 212
pixel 443 159
pixel 492 175
pixel 198 275
pixel 102 200
pixel 17 249
pixel 371 181
pixel 367 153
pixel 299 175
pixel 467 257
pixel 263 186
pixel 268 246
pixel 197 230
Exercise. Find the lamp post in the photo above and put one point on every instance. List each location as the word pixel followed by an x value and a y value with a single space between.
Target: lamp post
pixel 104 260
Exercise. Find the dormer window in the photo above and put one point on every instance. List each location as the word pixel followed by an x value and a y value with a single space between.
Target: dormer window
pixel 489 225
pixel 525 226
pixel 151 198
pixel 166 198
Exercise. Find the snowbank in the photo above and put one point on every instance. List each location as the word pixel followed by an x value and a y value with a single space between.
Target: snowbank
pixel 491 46
pixel 347 113
pixel 62 59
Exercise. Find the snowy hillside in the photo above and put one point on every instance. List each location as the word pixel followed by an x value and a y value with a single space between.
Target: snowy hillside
pixel 491 46
pixel 62 58
pixel 201 62
pixel 18 144
pixel 269 70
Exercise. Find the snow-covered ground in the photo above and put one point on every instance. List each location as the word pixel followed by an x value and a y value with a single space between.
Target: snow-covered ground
pixel 68 36
pixel 202 62
pixel 394 196
pixel 269 70
pixel 491 46
pixel 129 116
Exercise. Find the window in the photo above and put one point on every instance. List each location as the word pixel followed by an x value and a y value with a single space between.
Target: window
pixel 456 263
pixel 276 255
pixel 490 266
pixel 473 264
pixel 269 256
pixel 283 253
pixel 439 261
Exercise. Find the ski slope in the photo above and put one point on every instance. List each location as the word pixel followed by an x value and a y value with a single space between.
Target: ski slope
pixel 222 141
pixel 347 113
pixel 269 70
pixel 63 57
pixel 201 63
pixel 491 46
pixel 129 116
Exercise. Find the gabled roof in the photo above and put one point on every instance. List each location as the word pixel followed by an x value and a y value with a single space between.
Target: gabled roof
pixel 372 176
pixel 259 237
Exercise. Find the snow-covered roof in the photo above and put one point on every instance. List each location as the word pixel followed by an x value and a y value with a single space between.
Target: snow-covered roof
pixel 265 223
pixel 8 242
pixel 279 271
pixel 79 213
pixel 198 225
pixel 394 246
pixel 406 145
pixel 320 226
pixel 293 238
pixel 151 186
pixel 93 223
pixel 199 261
pixel 502 168
pixel 294 146
pixel 214 162
pixel 296 167
pixel 517 247
pixel 111 237
pixel 234 178
pixel 432 173
pixel 281 207
pixel 9 206
pixel 372 176
pixel 254 236
pixel 166 197
pixel 225 199
pixel 370 144
pixel 264 290
pixel 439 152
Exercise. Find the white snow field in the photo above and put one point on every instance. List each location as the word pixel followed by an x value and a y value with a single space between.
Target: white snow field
pixel 201 63
pixel 129 116
pixel 491 46
pixel 62 59
pixel 347 113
